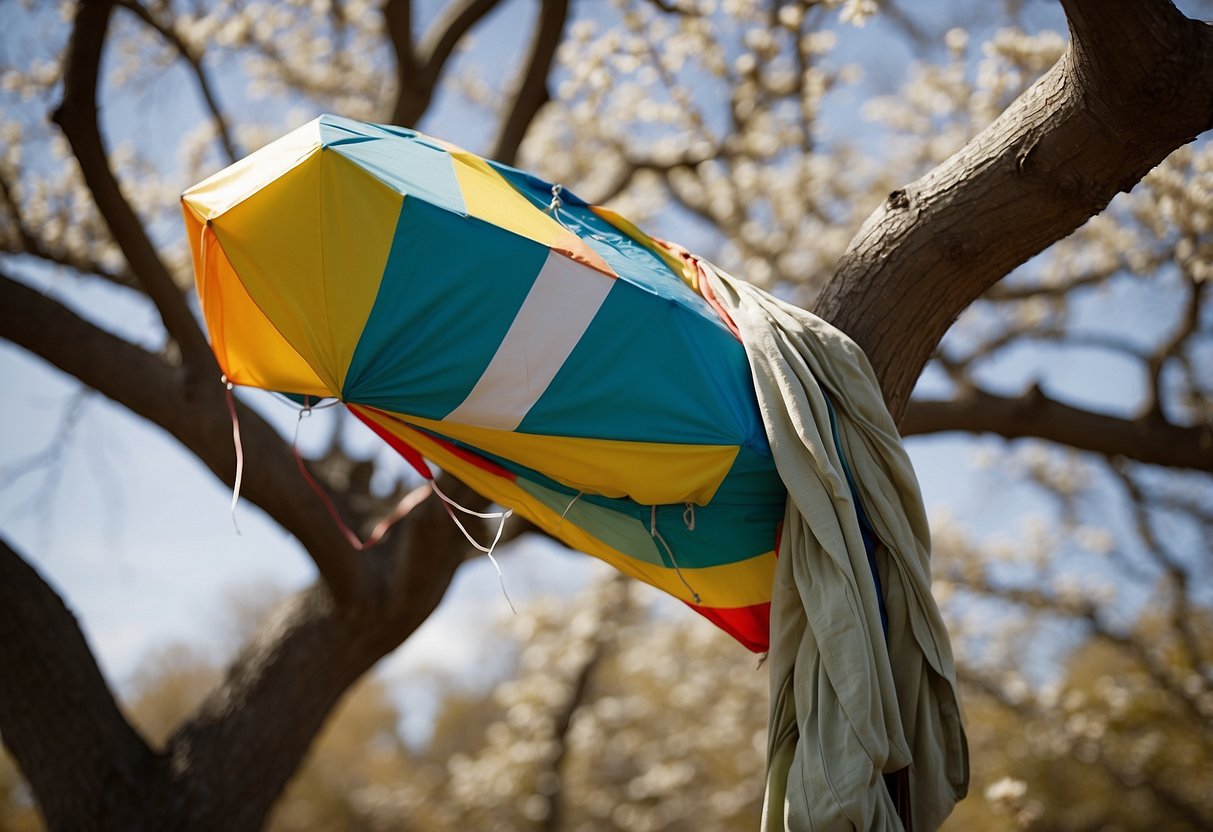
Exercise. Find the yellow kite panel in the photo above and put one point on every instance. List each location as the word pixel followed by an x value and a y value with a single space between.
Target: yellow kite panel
pixel 741 584
pixel 249 349
pixel 214 195
pixel 651 473
pixel 314 273
pixel 488 196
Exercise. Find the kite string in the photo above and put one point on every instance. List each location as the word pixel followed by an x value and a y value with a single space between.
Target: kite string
pixel 231 409
pixel 568 508
pixel 450 504
pixel 410 500
pixel 407 503
pixel 688 517
pixel 657 536
pixel 554 208
pixel 352 538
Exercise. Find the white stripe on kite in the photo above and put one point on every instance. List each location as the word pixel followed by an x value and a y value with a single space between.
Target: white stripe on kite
pixel 557 311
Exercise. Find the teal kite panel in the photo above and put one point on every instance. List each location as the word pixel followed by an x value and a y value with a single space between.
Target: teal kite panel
pixel 414 168
pixel 631 260
pixel 421 352
pixel 688 362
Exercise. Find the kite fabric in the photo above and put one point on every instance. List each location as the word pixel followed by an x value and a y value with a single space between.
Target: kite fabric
pixel 630 400
pixel 542 350
pixel 851 705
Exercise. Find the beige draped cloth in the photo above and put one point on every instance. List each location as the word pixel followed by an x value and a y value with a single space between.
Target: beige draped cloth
pixel 846 707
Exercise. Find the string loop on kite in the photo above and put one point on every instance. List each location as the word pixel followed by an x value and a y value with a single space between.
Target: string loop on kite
pixel 449 504
pixel 688 517
pixel 554 208
pixel 407 503
pixel 657 536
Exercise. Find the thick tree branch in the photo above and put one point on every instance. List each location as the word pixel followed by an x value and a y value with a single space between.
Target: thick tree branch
pixel 154 390
pixel 420 69
pixel 1034 414
pixel 250 734
pixel 77 117
pixel 1136 83
pixel 226 765
pixel 398 22
pixel 533 91
pixel 195 65
pixel 57 714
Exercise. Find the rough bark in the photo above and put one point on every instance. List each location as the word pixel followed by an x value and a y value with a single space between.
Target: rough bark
pixel 227 764
pixel 86 765
pixel 1136 83
pixel 247 738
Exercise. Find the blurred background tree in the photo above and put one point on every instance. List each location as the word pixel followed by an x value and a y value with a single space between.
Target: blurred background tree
pixel 777 139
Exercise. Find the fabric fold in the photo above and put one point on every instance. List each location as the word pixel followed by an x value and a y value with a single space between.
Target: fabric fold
pixel 848 704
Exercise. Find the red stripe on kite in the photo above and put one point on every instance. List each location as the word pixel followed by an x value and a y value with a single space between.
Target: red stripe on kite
pixel 749 625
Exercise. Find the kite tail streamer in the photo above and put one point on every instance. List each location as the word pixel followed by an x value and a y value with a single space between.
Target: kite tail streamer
pixel 449 504
pixel 231 409
pixel 657 536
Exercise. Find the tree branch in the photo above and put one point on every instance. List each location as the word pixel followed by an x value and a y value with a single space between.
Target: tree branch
pixel 195 64
pixel 77 117
pixel 86 764
pixel 154 390
pixel 398 22
pixel 533 91
pixel 611 608
pixel 247 738
pixel 419 74
pixel 1188 326
pixel 1033 414
pixel 1136 83
pixel 226 765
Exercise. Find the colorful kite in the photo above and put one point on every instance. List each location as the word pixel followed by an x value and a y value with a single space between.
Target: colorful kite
pixel 543 350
